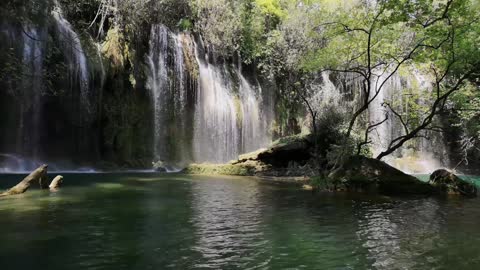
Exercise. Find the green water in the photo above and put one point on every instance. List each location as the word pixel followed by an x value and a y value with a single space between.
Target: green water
pixel 144 221
pixel 470 178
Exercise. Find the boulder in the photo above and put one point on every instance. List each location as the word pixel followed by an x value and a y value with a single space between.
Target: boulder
pixel 159 166
pixel 282 152
pixel 448 183
pixel 360 173
pixel 276 160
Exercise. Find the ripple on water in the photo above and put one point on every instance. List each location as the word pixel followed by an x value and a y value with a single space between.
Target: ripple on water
pixel 214 223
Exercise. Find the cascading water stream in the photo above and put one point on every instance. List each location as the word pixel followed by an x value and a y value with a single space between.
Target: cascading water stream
pixel 228 117
pixel 34 141
pixel 254 120
pixel 158 80
pixel 168 82
pixel 225 109
pixel 216 134
pixel 31 104
pixel 75 58
pixel 383 134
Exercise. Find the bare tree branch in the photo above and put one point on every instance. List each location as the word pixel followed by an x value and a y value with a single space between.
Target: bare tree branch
pixel 367 132
pixel 437 106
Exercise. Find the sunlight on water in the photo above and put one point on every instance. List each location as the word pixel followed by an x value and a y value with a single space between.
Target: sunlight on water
pixel 109 185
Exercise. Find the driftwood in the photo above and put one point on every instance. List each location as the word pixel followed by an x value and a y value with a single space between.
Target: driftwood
pixel 43 181
pixel 56 183
pixel 39 175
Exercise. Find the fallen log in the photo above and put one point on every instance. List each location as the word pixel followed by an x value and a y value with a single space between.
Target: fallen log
pixel 56 183
pixel 43 181
pixel 39 175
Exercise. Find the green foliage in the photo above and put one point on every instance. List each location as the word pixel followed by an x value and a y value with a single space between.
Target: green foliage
pixel 185 24
pixel 392 24
pixel 271 8
pixel 115 48
pixel 466 107
pixel 289 41
pixel 244 27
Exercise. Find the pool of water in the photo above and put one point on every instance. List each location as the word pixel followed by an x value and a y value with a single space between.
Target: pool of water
pixel 148 221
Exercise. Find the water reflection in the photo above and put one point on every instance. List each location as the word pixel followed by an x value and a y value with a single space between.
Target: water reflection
pixel 399 235
pixel 140 222
pixel 227 218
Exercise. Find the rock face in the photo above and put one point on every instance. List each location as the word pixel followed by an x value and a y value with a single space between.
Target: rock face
pixel 448 183
pixel 371 175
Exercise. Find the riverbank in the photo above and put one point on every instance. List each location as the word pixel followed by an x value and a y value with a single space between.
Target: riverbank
pixel 290 160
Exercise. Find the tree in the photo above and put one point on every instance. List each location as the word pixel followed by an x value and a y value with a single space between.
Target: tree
pixel 374 40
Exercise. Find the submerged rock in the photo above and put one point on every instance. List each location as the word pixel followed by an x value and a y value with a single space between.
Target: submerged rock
pixel 159 166
pixel 360 173
pixel 448 183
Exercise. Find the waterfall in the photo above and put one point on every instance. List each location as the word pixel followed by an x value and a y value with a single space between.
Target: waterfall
pixel 75 58
pixel 29 115
pixel 254 120
pixel 206 113
pixel 228 116
pixel 328 95
pixel 158 83
pixel 390 93
pixel 39 136
pixel 419 155
pixel 217 135
pixel 32 90
pixel 344 94
pixel 169 90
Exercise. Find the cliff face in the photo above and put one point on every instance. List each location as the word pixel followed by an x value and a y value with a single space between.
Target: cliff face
pixel 81 95
pixel 63 99
pixel 87 87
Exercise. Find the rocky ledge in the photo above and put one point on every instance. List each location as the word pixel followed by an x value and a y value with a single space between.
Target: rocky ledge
pixel 448 183
pixel 287 157
pixel 364 174
pixel 290 160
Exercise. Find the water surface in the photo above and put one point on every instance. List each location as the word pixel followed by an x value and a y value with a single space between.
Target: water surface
pixel 148 221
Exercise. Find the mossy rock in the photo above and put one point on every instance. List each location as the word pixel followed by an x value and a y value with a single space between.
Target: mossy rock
pixel 281 152
pixel 359 173
pixel 272 161
pixel 448 183
pixel 220 169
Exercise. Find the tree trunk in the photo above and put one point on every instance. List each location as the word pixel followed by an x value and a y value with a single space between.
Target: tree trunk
pixel 39 175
